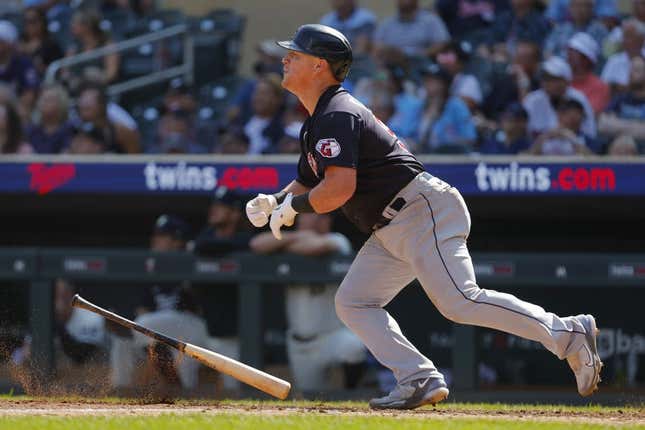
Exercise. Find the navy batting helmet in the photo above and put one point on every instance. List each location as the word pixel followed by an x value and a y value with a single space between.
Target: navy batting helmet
pixel 323 42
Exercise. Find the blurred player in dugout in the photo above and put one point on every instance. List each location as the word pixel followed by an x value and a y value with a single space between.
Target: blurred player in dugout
pixel 172 309
pixel 316 339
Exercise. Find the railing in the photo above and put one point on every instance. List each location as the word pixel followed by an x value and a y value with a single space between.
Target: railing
pixel 185 69
pixel 39 267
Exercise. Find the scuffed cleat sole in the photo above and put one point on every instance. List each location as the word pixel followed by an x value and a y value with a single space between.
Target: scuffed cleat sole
pixel 439 396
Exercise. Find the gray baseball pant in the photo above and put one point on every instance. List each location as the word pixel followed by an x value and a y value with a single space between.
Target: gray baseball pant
pixel 426 240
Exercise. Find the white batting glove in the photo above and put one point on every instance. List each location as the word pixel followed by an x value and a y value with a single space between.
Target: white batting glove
pixel 259 209
pixel 284 214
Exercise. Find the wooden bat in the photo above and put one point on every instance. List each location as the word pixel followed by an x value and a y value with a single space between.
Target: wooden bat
pixel 247 374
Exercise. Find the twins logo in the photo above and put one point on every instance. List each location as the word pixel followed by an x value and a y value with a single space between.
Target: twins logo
pixel 328 148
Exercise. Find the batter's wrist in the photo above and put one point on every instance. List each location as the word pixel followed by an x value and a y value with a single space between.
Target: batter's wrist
pixel 302 204
pixel 279 196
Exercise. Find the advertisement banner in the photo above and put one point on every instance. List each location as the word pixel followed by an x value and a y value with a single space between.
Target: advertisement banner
pixel 159 177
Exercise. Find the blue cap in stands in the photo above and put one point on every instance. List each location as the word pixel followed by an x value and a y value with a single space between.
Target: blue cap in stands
pixel 172 225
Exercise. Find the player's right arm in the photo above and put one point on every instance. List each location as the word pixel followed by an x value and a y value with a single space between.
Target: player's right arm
pixel 260 208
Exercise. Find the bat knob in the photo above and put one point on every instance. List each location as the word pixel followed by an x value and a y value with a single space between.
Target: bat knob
pixel 75 300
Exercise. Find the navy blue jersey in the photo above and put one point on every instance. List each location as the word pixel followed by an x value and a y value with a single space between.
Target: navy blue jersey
pixel 343 132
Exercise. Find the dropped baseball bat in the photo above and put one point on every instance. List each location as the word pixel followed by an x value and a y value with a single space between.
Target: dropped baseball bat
pixel 247 374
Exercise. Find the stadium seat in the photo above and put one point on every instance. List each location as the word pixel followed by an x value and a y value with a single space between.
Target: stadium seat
pixel 118 23
pixel 217 43
pixel 15 18
pixel 147 118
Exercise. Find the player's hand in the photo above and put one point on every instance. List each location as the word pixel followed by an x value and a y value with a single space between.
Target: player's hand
pixel 284 214
pixel 259 209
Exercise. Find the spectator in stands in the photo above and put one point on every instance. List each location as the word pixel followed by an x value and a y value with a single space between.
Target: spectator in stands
pixel 512 137
pixel 616 70
pixel 11 137
pixel 169 308
pixel 582 55
pixel 512 83
pixel 412 32
pixel 269 61
pixel 290 142
pixel 559 11
pixel 567 138
pixel 179 96
pixel 470 20
pixel 382 104
pixel 226 230
pixel 88 35
pixel 626 112
pixel 356 23
pixel 406 107
pixel 265 128
pixel 232 141
pixel 88 139
pixel 176 134
pixel 540 104
pixel 92 107
pixel 623 146
pixel 316 339
pixel 453 58
pixel 51 133
pixel 17 70
pixel 523 22
pixel 52 8
pixel 36 42
pixel 446 123
pixel 116 114
pixel 582 20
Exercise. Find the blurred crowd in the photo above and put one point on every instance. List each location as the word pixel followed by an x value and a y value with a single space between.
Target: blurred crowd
pixel 465 76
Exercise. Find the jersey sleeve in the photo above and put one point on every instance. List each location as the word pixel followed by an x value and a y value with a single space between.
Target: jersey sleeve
pixel 337 136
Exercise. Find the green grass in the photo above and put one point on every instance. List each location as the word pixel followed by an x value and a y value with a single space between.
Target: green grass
pixel 294 414
pixel 296 422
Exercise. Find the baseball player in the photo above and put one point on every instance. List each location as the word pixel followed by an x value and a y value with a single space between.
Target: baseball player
pixel 418 223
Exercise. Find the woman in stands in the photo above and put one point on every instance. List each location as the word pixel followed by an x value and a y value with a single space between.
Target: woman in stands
pixel 88 36
pixel 11 141
pixel 36 41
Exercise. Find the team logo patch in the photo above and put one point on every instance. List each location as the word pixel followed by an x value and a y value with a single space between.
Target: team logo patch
pixel 328 148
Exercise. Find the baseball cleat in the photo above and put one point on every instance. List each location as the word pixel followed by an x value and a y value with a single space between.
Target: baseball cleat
pixel 585 362
pixel 413 394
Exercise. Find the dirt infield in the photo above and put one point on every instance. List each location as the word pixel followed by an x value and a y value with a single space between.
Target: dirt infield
pixel 90 408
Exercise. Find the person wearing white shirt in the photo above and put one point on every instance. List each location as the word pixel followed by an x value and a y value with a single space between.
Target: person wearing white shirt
pixel 540 104
pixel 616 70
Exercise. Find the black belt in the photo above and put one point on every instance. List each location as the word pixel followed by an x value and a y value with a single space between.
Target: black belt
pixel 389 212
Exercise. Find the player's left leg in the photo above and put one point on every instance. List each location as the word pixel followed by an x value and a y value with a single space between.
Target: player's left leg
pixel 374 278
pixel 443 265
